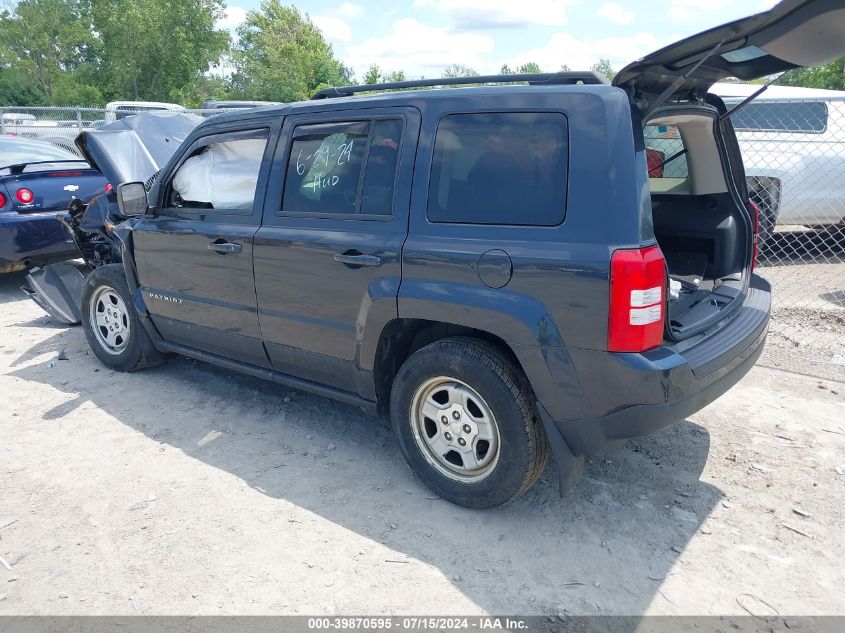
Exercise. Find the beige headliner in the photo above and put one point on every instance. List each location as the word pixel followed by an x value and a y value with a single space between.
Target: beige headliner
pixel 706 175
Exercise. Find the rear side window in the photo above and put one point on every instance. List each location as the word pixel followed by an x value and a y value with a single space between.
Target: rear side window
pixel 805 116
pixel 665 152
pixel 500 168
pixel 343 168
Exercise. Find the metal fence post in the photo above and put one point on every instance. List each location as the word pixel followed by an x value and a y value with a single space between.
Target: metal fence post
pixel 2 121
pixel 78 119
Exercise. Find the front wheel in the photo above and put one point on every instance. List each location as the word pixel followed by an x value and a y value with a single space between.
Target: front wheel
pixel 465 420
pixel 111 323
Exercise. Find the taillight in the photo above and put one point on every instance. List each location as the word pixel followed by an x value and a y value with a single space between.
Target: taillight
pixel 756 210
pixel 25 196
pixel 2 201
pixel 655 163
pixel 637 299
pixel 108 187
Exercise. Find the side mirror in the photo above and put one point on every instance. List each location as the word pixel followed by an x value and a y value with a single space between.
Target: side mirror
pixel 132 199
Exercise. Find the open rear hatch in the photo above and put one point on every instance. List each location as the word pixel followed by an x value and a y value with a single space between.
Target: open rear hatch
pixel 793 34
pixel 703 221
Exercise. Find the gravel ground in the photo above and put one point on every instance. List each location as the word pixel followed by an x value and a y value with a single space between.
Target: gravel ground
pixel 807 272
pixel 807 333
pixel 186 489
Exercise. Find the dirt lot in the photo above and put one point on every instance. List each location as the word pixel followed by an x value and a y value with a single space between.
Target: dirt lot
pixel 190 490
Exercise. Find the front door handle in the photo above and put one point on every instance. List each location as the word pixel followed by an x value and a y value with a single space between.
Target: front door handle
pixel 355 258
pixel 223 247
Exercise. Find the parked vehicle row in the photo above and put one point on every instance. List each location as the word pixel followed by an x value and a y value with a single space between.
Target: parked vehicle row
pixel 64 132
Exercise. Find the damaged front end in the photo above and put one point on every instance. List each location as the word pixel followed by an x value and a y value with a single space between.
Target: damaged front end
pixel 132 149
pixel 57 288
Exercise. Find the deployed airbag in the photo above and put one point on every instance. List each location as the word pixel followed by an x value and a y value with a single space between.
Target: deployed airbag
pixel 224 175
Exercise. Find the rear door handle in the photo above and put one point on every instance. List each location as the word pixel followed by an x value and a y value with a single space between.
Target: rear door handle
pixel 223 247
pixel 357 259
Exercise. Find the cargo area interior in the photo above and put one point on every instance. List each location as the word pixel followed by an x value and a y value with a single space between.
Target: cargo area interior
pixel 699 226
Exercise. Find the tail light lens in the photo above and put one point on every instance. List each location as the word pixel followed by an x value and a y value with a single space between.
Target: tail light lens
pixel 637 300
pixel 25 196
pixel 108 187
pixel 2 201
pixel 756 211
pixel 655 163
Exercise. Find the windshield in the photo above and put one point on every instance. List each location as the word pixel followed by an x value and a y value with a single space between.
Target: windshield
pixel 17 151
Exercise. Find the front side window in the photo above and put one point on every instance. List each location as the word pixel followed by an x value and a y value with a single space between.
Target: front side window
pixel 665 152
pixel 343 168
pixel 222 174
pixel 500 168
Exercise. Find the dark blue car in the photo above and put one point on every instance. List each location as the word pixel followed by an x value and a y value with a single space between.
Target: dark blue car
pixel 37 182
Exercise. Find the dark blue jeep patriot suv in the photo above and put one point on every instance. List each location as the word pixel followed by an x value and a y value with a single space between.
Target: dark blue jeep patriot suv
pixel 507 270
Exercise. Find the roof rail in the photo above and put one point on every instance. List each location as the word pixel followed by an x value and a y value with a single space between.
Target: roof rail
pixel 534 79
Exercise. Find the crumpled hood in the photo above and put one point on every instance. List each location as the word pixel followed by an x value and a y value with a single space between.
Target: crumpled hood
pixel 136 147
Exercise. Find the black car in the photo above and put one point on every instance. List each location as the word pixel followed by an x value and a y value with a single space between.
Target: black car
pixel 499 268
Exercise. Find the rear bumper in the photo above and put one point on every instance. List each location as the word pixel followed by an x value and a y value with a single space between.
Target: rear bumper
pixel 638 394
pixel 35 237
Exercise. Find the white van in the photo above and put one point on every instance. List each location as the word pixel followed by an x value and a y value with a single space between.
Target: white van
pixel 12 122
pixel 793 146
pixel 116 110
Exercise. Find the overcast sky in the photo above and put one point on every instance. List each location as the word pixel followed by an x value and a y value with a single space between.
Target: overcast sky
pixel 422 37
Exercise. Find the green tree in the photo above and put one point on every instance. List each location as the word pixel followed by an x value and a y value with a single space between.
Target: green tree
pixel 17 91
pixel 157 49
pixel 396 75
pixel 529 68
pixel 45 45
pixel 373 75
pixel 282 56
pixel 603 67
pixel 459 70
pixel 830 76
pixel 523 69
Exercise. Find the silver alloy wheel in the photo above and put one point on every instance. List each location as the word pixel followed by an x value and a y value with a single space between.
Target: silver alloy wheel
pixel 109 320
pixel 455 429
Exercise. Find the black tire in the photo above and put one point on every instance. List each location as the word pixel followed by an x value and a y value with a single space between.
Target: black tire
pixel 136 350
pixel 522 443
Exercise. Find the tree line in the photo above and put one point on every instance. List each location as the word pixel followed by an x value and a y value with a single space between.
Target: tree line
pixel 89 52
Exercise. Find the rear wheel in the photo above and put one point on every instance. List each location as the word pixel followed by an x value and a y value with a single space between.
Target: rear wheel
pixel 465 420
pixel 111 323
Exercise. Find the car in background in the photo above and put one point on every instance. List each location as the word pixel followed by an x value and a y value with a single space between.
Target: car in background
pixel 38 181
pixel 60 133
pixel 116 110
pixel 793 146
pixel 11 122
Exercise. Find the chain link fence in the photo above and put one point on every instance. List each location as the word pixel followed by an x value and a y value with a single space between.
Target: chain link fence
pixel 794 154
pixel 60 126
